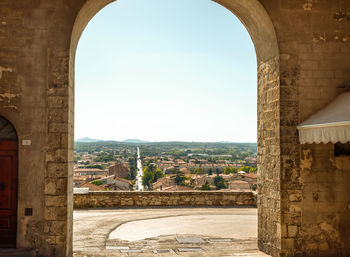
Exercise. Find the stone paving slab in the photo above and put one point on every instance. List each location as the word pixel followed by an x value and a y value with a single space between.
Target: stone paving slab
pixel 112 247
pixel 219 240
pixel 190 240
pixel 189 249
pixel 131 251
pixel 163 251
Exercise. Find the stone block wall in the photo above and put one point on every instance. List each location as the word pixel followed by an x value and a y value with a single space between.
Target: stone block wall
pixel 325 210
pixel 314 68
pixel 269 222
pixel 303 59
pixel 118 199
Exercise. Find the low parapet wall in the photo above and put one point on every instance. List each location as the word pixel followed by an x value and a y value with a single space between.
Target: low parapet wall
pixel 120 199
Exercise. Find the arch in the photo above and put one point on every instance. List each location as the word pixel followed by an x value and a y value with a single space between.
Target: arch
pixel 7 130
pixel 8 183
pixel 250 12
pixel 261 29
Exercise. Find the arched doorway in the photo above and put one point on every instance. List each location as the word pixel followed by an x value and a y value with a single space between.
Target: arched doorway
pixel 262 31
pixel 8 184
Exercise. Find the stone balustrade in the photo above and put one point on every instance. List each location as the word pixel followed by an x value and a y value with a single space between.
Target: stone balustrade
pixel 118 199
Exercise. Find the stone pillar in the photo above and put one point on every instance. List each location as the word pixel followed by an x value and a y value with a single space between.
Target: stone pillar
pixel 58 179
pixel 291 185
pixel 269 221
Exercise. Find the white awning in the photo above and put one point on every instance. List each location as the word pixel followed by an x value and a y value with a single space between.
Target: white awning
pixel 330 124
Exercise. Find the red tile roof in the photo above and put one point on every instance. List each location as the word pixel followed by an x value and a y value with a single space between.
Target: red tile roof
pixel 177 188
pixel 250 175
pixel 92 187
pixel 123 180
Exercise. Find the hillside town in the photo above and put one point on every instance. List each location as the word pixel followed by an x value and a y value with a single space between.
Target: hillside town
pixel 132 169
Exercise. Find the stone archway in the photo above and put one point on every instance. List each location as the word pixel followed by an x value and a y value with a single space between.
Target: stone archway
pixel 8 183
pixel 304 193
pixel 258 23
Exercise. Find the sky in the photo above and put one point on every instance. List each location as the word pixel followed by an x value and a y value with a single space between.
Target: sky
pixel 174 70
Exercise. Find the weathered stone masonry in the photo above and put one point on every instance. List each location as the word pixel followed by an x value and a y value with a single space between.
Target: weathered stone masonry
pixel 269 156
pixel 152 199
pixel 302 48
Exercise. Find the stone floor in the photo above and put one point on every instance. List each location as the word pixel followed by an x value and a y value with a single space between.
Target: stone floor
pixel 213 232
pixel 195 232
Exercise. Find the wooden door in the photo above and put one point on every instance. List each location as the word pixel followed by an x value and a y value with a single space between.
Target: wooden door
pixel 8 193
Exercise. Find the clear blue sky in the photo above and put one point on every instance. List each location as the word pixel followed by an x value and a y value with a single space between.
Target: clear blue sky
pixel 166 70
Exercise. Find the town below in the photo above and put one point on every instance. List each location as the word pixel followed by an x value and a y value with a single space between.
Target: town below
pixel 165 166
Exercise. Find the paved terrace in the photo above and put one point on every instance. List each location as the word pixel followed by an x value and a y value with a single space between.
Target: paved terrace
pixel 213 232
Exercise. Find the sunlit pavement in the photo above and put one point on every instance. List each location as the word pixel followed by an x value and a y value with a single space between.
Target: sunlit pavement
pixel 166 232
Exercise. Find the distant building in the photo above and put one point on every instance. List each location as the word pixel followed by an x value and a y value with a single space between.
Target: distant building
pixel 83 172
pixel 185 171
pixel 251 161
pixel 181 162
pixel 163 183
pixel 250 177
pixel 122 184
pixel 92 187
pixel 108 180
pixel 198 180
pixel 239 185
pixel 115 183
pixel 79 180
pixel 171 170
pixel 178 188
pixel 118 170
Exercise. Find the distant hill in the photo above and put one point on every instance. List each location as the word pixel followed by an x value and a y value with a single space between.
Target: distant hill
pixel 135 141
pixel 157 148
pixel 87 140
pixel 92 140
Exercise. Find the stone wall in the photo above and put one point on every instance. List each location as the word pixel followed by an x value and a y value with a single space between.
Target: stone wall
pixel 325 210
pixel 303 59
pixel 269 222
pixel 314 64
pixel 148 199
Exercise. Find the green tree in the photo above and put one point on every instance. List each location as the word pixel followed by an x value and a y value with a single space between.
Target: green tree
pixel 95 166
pixel 253 170
pixel 132 173
pixel 244 168
pixel 158 173
pixel 219 182
pixel 104 157
pixel 199 171
pixel 132 162
pixel 205 186
pixel 97 182
pixel 210 172
pixel 131 186
pixel 77 158
pixel 248 169
pixel 254 187
pixel 179 179
pixel 146 169
pixel 147 179
pixel 227 170
pixel 234 170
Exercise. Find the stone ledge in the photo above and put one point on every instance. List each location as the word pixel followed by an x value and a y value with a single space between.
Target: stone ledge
pixel 110 199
